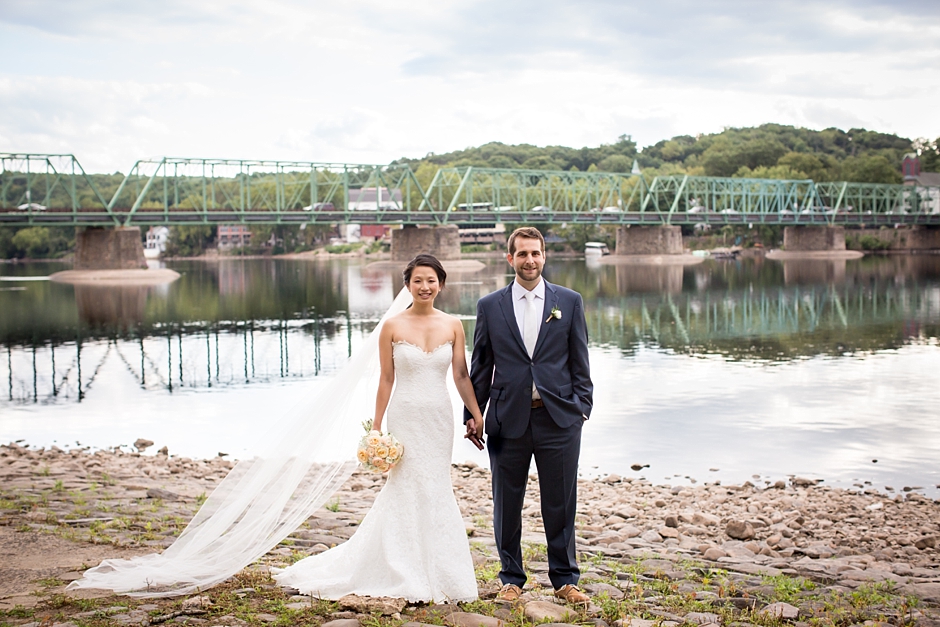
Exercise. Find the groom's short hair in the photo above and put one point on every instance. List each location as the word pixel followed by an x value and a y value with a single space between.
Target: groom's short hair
pixel 528 232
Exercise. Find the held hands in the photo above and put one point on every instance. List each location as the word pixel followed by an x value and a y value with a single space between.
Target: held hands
pixel 475 432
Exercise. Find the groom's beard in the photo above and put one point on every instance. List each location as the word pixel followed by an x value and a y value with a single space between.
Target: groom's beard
pixel 537 272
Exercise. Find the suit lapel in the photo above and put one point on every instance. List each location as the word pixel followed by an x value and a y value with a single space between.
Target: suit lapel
pixel 551 301
pixel 509 313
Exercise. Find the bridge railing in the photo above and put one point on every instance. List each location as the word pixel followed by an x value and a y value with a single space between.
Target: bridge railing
pixel 49 189
pixel 219 190
pixel 55 189
pixel 471 194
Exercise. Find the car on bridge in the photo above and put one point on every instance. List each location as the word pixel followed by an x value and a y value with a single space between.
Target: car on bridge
pixel 31 206
pixel 475 206
pixel 320 206
pixel 540 209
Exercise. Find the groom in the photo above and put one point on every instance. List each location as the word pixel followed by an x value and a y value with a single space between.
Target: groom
pixel 530 365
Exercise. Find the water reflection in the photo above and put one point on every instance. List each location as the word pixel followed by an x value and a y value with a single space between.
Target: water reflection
pixel 115 307
pixel 240 321
pixel 752 365
pixel 640 278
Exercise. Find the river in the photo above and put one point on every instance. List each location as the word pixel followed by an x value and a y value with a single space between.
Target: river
pixel 724 371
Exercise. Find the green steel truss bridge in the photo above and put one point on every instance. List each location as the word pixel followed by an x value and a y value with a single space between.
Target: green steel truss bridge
pixel 54 189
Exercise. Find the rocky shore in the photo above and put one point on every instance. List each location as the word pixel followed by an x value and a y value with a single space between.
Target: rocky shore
pixel 733 555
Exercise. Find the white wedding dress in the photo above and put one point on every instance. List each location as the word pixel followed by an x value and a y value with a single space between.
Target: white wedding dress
pixel 412 544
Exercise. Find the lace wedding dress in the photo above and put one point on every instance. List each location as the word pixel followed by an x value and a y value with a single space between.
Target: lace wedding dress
pixel 412 543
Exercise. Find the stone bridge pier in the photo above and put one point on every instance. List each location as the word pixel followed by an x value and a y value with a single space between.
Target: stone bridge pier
pixel 98 248
pixel 814 238
pixel 649 240
pixel 441 241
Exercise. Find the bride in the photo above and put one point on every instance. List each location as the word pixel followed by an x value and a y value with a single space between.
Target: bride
pixel 412 543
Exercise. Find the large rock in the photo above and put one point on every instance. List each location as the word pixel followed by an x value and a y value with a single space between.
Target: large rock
pixel 386 606
pixel 926 591
pixel 468 619
pixel 781 610
pixel 342 622
pixel 705 519
pixel 605 588
pixel 196 603
pixel 740 530
pixel 651 536
pixel 541 611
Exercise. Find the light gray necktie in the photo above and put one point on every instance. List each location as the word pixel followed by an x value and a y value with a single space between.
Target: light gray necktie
pixel 530 323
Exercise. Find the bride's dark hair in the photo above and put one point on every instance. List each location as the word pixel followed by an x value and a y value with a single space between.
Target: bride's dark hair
pixel 427 261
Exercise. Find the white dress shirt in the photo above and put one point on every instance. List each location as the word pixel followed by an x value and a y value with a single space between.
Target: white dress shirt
pixel 518 308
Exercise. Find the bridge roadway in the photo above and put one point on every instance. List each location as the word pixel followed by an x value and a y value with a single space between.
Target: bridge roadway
pixel 54 190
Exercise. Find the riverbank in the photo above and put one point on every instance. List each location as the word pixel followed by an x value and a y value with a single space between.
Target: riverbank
pixel 736 554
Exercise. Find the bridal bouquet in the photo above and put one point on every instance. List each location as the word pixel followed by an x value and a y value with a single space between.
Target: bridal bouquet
pixel 378 452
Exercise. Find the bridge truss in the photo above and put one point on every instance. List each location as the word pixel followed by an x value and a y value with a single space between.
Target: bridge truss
pixel 47 189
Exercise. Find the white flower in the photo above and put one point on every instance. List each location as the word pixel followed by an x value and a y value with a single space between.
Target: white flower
pixel 555 313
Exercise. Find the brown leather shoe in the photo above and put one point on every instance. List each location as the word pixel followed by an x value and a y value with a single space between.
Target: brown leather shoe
pixel 571 594
pixel 509 593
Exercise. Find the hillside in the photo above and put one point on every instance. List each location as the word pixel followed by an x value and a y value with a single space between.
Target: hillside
pixel 767 151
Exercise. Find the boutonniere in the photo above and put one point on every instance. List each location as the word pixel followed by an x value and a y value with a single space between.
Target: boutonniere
pixel 555 313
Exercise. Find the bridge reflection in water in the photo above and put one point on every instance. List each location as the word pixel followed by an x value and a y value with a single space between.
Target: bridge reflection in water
pixel 768 323
pixel 774 312
pixel 172 357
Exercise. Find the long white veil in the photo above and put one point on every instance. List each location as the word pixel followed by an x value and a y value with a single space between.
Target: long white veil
pixel 309 453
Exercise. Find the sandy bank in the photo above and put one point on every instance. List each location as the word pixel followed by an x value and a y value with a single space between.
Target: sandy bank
pixel 825 255
pixel 451 265
pixel 158 276
pixel 651 260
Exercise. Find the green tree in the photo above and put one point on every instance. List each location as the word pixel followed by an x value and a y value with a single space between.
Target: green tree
pixel 32 242
pixel 724 158
pixel 806 163
pixel 7 249
pixel 929 154
pixel 615 163
pixel 779 172
pixel 870 169
pixel 189 241
pixel 541 162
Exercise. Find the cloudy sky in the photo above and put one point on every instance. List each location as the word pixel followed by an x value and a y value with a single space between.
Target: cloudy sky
pixel 369 81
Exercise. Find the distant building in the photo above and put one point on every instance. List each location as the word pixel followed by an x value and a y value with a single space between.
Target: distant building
pixel 233 236
pixel 373 199
pixel 910 166
pixel 157 237
pixel 375 231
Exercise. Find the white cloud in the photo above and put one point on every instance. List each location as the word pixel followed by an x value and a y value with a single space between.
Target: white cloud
pixel 373 81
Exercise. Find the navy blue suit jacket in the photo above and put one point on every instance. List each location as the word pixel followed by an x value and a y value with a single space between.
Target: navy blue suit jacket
pixel 502 372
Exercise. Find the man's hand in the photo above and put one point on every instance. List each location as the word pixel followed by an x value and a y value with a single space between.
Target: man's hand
pixel 474 427
pixel 475 432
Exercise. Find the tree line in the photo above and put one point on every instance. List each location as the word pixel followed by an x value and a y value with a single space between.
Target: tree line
pixel 768 151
